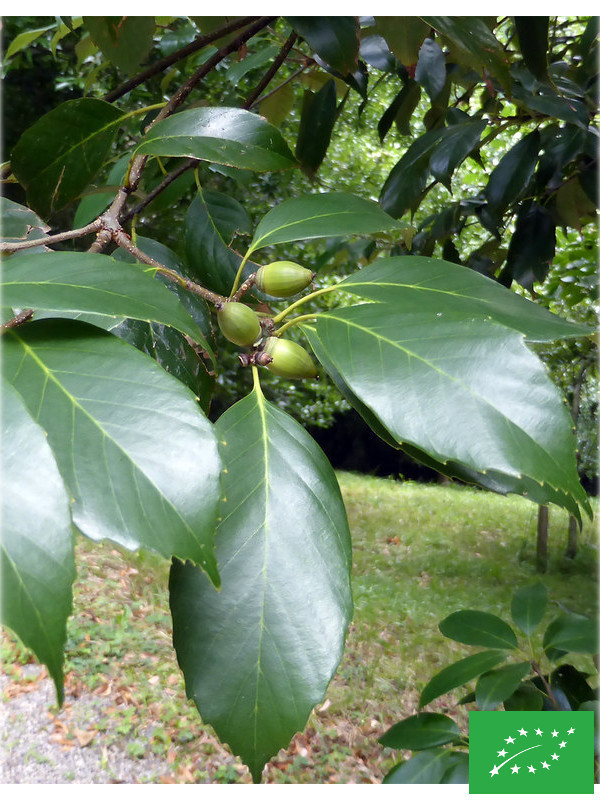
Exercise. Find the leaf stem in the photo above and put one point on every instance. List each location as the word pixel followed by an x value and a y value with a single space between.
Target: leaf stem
pixel 311 296
pixel 256 379
pixel 238 277
pixel 294 321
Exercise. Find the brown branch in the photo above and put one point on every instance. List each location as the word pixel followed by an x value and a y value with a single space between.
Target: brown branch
pixel 245 287
pixel 282 84
pixel 24 316
pixel 12 247
pixel 270 74
pixel 552 698
pixel 178 55
pixel 167 181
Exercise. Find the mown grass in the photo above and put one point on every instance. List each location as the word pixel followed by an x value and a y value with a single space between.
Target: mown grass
pixel 419 553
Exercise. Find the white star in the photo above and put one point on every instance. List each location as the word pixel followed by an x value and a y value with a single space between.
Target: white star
pixel 545 764
pixel 494 771
pixel 554 756
pixel 572 730
pixel 514 769
pixel 522 732
pixel 531 768
pixel 510 740
pixel 538 732
pixel 502 753
pixel 562 744
pixel 554 733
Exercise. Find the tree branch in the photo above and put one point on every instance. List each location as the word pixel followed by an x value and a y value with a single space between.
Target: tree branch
pixel 167 181
pixel 269 75
pixel 281 85
pixel 178 55
pixel 24 316
pixel 13 247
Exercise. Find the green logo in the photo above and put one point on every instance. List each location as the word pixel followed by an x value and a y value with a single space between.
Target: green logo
pixel 531 752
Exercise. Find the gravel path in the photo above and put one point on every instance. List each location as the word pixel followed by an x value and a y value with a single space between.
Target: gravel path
pixel 38 745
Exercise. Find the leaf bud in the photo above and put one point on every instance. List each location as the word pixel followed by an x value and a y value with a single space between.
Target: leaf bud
pixel 290 360
pixel 283 278
pixel 238 323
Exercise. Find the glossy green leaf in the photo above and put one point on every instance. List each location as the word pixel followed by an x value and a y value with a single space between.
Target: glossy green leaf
pixel 60 154
pixel 429 284
pixel 68 282
pixel 316 125
pixel 20 223
pixel 512 174
pixel 404 36
pixel 125 41
pixel 532 33
pixel 496 686
pixel 138 457
pixel 573 634
pixel 429 766
pixel 375 51
pixel 426 374
pixel 459 673
pixel 474 38
pixel 92 205
pixel 259 654
pixel 38 563
pixel 236 72
pixel 546 100
pixel 207 234
pixel 230 136
pixel 421 732
pixel 452 150
pixel 400 110
pixel 478 628
pixel 335 39
pixel 528 607
pixel 406 182
pixel 327 214
pixel 431 68
pixel 526 697
pixel 532 247
pixel 24 39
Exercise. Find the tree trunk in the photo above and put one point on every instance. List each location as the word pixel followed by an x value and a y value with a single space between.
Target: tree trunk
pixel 541 555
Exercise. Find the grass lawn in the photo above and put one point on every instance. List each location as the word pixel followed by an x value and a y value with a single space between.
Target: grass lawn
pixel 420 553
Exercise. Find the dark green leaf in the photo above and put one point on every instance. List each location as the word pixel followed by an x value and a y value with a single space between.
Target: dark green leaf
pixel 59 155
pixel 136 453
pixel 374 50
pixel 401 110
pixel 547 101
pixel 230 136
pixel 532 247
pixel 496 686
pixel 316 124
pixel 431 68
pixel 460 673
pixel 259 654
pixel 407 180
pixel 313 216
pixel 92 205
pixel 444 370
pixel 335 39
pixel 62 283
pixel 452 150
pixel 478 628
pixel 572 633
pixel 207 233
pixel 420 732
pixel 574 684
pixel 512 174
pixel 38 564
pixel 533 42
pixel 474 38
pixel 457 770
pixel 528 606
pixel 430 766
pixel 525 698
pixel 409 282
pixel 236 72
pixel 125 41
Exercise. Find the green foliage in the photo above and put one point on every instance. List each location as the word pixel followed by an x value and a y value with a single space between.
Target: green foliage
pixel 438 360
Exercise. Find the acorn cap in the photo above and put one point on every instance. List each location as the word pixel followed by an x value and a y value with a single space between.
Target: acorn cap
pixel 290 360
pixel 283 278
pixel 239 323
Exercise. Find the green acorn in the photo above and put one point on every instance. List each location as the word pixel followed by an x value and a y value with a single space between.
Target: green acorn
pixel 290 360
pixel 238 323
pixel 283 278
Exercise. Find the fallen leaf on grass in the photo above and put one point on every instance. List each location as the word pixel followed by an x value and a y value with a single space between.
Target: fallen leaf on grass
pixel 84 737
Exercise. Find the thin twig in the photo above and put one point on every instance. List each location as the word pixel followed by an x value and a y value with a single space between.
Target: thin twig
pixel 281 85
pixel 178 55
pixel 167 181
pixel 24 316
pixel 12 247
pixel 536 668
pixel 245 287
pixel 270 74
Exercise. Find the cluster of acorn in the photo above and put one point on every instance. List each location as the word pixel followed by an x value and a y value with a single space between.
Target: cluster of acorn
pixel 240 324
